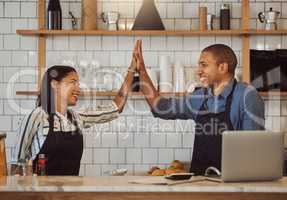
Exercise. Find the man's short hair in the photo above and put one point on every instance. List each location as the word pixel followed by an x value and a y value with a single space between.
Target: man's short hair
pixel 223 54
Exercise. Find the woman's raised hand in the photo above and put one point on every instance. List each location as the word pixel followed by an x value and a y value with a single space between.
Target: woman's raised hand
pixel 137 55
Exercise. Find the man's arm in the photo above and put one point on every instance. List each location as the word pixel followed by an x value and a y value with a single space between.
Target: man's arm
pixel 253 110
pixel 166 108
pixel 151 94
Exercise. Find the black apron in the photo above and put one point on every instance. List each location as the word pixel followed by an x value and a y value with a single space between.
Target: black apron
pixel 63 152
pixel 208 138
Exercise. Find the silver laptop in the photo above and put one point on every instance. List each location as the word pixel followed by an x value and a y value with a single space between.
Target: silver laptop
pixel 252 156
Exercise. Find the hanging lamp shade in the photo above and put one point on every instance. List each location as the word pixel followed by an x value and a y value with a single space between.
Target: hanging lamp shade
pixel 148 17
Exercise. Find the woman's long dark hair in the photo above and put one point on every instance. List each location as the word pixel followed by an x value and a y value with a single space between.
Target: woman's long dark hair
pixel 46 98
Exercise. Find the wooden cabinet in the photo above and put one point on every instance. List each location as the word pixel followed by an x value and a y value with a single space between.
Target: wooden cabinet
pixel 245 32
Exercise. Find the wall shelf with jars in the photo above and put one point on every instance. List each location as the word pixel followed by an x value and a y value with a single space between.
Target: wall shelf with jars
pixel 132 32
pixel 151 32
pixel 244 32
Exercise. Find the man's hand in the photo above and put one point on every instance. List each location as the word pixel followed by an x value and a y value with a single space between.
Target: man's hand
pixel 146 84
pixel 137 54
pixel 133 65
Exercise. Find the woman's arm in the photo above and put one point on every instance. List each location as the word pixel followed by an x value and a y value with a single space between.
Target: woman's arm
pixel 90 116
pixel 107 112
pixel 121 97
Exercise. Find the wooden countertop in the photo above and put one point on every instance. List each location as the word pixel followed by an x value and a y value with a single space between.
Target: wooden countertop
pixel 120 188
pixel 122 184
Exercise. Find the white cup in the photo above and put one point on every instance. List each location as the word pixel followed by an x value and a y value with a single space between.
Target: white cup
pixel 165 83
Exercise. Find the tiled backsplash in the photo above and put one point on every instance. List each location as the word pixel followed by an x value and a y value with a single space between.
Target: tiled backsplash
pixel 136 140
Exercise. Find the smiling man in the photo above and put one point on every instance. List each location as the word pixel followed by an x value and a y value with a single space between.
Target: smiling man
pixel 221 104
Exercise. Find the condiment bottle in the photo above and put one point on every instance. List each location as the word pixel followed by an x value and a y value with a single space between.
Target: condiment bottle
pixel 41 165
pixel 225 17
pixel 202 18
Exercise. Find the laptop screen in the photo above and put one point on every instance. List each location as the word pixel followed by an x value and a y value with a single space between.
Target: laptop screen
pixel 252 155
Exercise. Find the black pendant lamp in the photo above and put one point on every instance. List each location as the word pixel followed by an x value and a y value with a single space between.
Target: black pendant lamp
pixel 148 17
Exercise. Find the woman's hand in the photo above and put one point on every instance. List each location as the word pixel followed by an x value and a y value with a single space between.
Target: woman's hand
pixel 133 65
pixel 146 85
pixel 137 54
pixel 122 95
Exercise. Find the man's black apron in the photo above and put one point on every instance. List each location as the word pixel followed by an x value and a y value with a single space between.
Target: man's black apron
pixel 208 138
pixel 63 151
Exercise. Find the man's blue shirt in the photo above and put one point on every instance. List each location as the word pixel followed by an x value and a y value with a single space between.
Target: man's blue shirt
pixel 247 107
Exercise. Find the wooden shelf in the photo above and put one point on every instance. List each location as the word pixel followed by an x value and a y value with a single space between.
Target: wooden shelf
pixel 111 94
pixel 35 32
pixel 273 93
pixel 131 33
pixel 267 32
pixel 27 93
pixel 100 94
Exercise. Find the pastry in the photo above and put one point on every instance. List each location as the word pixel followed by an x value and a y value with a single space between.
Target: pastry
pixel 152 169
pixel 170 171
pixel 158 172
pixel 176 164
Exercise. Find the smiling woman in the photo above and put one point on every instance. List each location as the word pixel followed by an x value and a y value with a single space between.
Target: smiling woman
pixel 55 130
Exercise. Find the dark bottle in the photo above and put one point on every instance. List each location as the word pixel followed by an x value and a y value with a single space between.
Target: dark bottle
pixel 41 165
pixel 225 17
pixel 54 15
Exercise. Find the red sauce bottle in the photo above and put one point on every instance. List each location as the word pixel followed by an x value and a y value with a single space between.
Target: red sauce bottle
pixel 41 165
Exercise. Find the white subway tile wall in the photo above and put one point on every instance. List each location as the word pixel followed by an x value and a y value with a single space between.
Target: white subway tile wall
pixel 134 156
pixel 19 59
pixel 12 9
pixel 165 156
pixel 61 43
pixel 117 156
pixel 28 43
pixel 77 43
pixel 1 9
pixel 29 9
pixel 150 156
pixel 136 140
pixel 11 42
pixel 142 140
pixel 5 25
pixel 101 156
pixel 161 7
pixel 5 58
pixel 1 42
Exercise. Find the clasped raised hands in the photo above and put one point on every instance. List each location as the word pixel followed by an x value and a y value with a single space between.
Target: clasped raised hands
pixel 137 63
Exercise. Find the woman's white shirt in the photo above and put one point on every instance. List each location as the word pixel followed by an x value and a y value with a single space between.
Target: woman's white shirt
pixel 34 127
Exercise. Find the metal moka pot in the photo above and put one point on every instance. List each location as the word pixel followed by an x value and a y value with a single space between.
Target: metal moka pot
pixel 269 18
pixel 111 20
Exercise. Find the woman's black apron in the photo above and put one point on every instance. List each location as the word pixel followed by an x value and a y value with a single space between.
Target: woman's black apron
pixel 63 151
pixel 208 138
